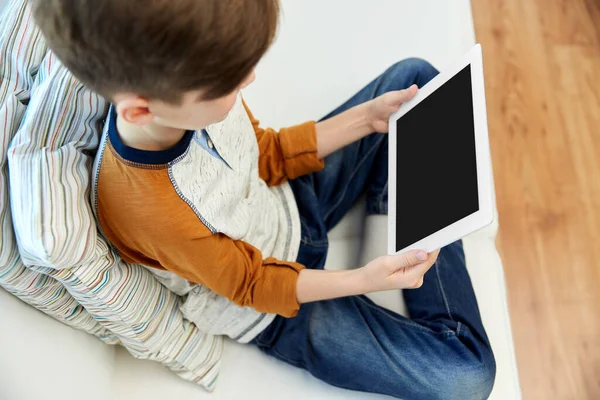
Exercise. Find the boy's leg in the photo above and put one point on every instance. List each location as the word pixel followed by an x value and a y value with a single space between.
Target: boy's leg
pixel 353 343
pixel 443 353
pixel 323 198
pixel 363 166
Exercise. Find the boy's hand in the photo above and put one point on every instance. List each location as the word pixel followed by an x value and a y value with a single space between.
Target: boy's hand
pixel 403 271
pixel 380 108
pixel 384 273
pixel 360 121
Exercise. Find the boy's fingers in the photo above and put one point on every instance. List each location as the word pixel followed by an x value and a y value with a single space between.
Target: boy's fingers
pixel 398 97
pixel 411 91
pixel 409 259
pixel 406 94
pixel 434 255
pixel 419 270
pixel 418 284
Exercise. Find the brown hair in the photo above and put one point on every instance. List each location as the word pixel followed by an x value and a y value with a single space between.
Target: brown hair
pixel 159 49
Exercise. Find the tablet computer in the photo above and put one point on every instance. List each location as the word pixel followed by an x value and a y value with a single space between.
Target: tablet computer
pixel 440 173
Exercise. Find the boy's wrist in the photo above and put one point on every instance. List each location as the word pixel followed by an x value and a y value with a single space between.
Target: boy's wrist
pixel 316 285
pixel 357 282
pixel 368 116
pixel 344 129
pixel 363 119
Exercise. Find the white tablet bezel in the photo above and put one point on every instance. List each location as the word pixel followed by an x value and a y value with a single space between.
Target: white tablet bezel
pixel 485 215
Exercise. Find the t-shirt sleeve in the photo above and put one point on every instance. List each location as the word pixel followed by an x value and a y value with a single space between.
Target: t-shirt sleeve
pixel 233 269
pixel 158 229
pixel 287 154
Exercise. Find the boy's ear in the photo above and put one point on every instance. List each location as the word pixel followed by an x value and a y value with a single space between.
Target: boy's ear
pixel 134 109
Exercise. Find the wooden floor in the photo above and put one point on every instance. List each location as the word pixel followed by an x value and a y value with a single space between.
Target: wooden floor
pixel 542 65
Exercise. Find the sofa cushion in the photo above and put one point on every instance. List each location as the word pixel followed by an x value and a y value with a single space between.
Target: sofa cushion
pixel 42 359
pixel 21 51
pixel 50 160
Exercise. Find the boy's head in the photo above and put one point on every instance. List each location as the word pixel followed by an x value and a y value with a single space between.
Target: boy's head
pixel 178 63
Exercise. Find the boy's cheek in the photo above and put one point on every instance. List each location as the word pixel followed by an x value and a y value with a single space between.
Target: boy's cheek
pixel 222 107
pixel 229 102
pixel 197 115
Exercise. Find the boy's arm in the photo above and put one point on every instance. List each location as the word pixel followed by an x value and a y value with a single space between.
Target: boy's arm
pixel 287 154
pixel 360 121
pixel 298 150
pixel 343 129
pixel 159 230
pixel 236 269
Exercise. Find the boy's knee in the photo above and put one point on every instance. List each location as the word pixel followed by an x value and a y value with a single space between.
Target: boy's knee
pixel 418 69
pixel 418 66
pixel 469 382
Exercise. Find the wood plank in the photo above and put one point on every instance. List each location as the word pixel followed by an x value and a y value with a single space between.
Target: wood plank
pixel 542 59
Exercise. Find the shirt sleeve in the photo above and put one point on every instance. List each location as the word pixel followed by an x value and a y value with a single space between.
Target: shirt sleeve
pixel 157 229
pixel 287 154
pixel 234 269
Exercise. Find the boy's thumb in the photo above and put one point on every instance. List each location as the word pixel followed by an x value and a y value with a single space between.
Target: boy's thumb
pixel 402 96
pixel 412 258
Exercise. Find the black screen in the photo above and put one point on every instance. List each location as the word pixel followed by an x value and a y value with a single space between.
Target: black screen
pixel 436 166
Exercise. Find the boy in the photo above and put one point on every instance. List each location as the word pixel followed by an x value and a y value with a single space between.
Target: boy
pixel 236 217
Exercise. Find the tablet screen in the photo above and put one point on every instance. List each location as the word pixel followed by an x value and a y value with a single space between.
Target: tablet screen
pixel 436 165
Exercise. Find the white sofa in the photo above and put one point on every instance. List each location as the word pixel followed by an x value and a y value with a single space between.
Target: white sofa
pixel 325 52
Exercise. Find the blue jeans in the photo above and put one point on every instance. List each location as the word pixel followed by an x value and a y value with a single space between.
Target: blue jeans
pixel 442 351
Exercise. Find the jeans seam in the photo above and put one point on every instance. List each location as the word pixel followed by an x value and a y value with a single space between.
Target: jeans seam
pixel 308 239
pixel 321 243
pixel 298 364
pixel 362 161
pixel 407 322
pixel 380 201
pixel 262 343
pixel 439 279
